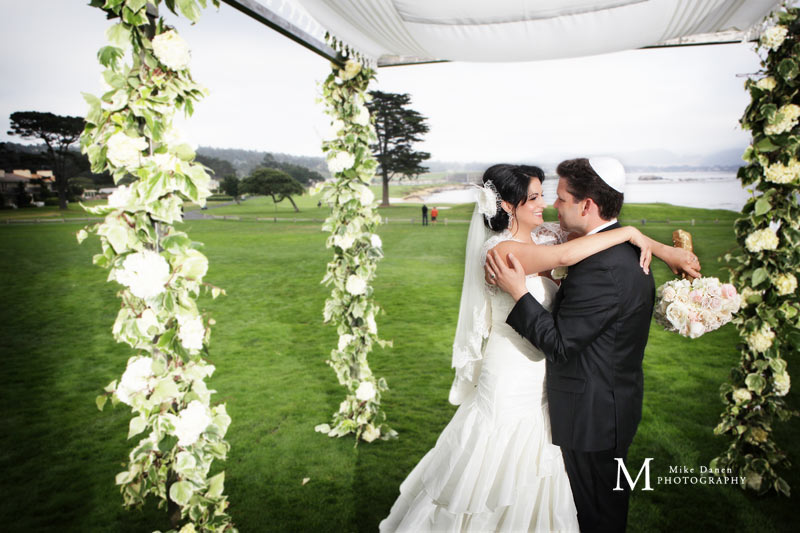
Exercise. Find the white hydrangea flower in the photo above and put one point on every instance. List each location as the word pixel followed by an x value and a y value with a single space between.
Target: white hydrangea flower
pixel 340 162
pixel 767 84
pixel 786 284
pixel 124 150
pixel 135 379
pixel 780 173
pixel 365 391
pixel 191 422
pixel 763 239
pixel 345 242
pixel 345 340
pixel 376 241
pixel 362 116
pixel 355 285
pixel 742 395
pixel 145 273
pixel 191 332
pixel 121 198
pixel 370 433
pixel 171 50
pixel 773 38
pixel 350 70
pixel 761 339
pixel 782 383
pixel 785 119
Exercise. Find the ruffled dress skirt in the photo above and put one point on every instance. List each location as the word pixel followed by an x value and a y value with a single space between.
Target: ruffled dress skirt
pixel 494 467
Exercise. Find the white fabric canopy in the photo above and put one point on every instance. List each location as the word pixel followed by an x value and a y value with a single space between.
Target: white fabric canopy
pixel 408 31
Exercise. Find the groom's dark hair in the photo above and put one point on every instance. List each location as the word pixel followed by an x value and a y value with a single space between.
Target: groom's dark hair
pixel 583 182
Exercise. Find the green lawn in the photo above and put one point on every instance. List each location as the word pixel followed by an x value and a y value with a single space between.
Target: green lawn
pixel 59 454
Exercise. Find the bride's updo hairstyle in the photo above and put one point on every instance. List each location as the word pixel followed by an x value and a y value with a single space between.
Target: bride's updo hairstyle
pixel 511 182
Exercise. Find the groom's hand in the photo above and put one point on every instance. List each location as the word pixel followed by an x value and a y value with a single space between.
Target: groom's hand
pixel 511 279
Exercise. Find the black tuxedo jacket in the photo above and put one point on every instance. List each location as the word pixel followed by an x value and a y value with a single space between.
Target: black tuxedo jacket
pixel 594 343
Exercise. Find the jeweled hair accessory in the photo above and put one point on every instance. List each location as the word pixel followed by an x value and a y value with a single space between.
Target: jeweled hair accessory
pixel 488 199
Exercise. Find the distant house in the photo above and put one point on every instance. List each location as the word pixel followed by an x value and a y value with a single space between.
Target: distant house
pixel 9 183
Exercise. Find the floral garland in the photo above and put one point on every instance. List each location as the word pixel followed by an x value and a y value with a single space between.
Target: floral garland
pixel 357 249
pixel 129 132
pixel 769 233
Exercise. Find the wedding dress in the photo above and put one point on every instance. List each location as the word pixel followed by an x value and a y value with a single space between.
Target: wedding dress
pixel 494 467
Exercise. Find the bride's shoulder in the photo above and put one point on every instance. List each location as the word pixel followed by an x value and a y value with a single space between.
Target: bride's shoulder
pixel 493 242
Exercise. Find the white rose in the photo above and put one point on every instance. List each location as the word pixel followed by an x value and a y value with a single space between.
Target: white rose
pixel 365 391
pixel 345 340
pixel 780 173
pixel 782 383
pixel 786 284
pixel 171 50
pixel 766 84
pixel 742 395
pixel 340 162
pixel 678 316
pixel 135 379
pixel 145 273
pixel 773 38
pixel 191 332
pixel 376 241
pixel 372 326
pixel 191 422
pixel 370 433
pixel 763 239
pixel 121 198
pixel 696 329
pixel 350 70
pixel 343 241
pixel 125 151
pixel 760 340
pixel 362 117
pixel 355 285
pixel 669 294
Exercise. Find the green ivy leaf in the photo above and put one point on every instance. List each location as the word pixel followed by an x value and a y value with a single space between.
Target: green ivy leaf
pixel 766 145
pixel 762 206
pixel 181 492
pixel 109 55
pixel 137 425
pixel 100 401
pixel 759 276
pixel 216 485
pixel 787 68
pixel 755 382
pixel 189 9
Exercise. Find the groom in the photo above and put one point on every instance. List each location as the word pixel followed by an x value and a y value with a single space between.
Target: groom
pixel 594 342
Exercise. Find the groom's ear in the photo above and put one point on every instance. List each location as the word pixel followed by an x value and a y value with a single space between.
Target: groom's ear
pixel 588 206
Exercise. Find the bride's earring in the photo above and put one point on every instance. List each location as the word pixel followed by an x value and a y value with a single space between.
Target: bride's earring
pixel 510 220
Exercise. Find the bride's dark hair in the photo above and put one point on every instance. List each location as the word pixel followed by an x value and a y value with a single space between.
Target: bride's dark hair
pixel 511 182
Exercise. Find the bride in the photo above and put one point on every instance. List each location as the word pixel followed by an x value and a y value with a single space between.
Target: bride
pixel 494 467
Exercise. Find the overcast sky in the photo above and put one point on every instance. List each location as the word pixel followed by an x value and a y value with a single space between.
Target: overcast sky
pixel 263 89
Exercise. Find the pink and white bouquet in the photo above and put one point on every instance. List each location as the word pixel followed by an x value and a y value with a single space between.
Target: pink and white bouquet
pixel 695 307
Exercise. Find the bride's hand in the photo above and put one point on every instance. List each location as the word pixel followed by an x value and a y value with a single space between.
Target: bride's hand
pixel 643 243
pixel 682 261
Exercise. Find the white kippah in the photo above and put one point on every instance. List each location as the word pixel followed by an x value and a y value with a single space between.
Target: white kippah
pixel 610 170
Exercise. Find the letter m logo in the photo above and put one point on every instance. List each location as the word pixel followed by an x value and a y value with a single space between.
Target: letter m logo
pixel 632 483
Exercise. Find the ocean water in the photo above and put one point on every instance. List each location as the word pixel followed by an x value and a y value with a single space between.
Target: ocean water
pixel 709 190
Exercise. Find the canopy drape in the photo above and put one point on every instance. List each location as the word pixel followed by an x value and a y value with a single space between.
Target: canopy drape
pixel 389 32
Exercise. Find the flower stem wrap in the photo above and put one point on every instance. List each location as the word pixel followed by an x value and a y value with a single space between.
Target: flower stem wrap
pixel 129 133
pixel 352 224
pixel 769 235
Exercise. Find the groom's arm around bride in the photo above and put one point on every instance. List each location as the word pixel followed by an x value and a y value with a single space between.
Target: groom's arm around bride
pixel 594 343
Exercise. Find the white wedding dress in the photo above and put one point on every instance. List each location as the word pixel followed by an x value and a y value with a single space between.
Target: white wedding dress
pixel 494 467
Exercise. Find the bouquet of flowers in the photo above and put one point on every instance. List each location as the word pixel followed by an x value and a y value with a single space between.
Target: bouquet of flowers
pixel 695 307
